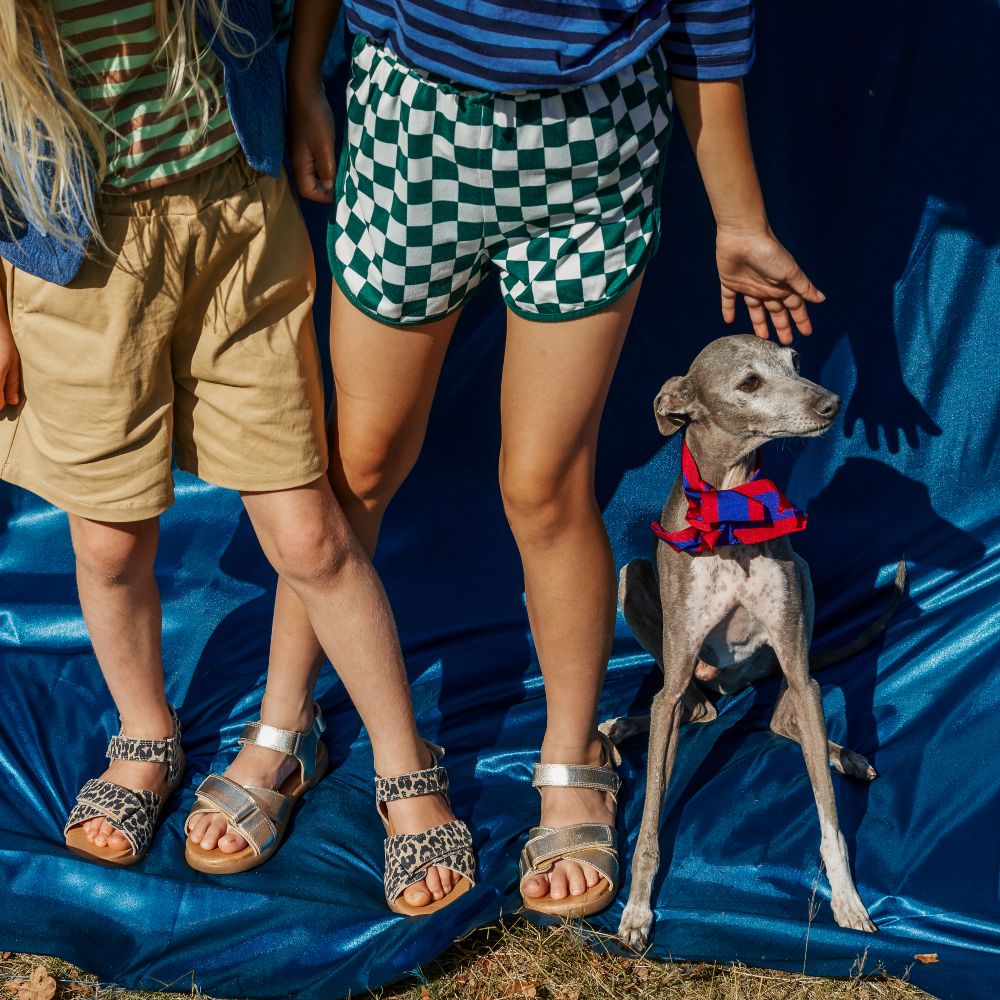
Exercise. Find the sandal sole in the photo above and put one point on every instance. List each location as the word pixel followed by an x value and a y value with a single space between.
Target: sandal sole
pixel 404 909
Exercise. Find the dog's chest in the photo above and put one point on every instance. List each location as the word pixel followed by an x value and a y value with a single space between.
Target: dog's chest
pixel 728 595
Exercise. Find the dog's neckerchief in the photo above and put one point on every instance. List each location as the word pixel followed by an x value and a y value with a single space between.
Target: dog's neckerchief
pixel 748 514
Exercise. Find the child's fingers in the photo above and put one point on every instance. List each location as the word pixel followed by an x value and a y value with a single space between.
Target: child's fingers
pixel 728 305
pixel 12 386
pixel 308 179
pixel 758 316
pixel 799 313
pixel 779 317
pixel 799 283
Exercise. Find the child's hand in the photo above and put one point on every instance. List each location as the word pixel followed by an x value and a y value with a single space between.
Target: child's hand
pixel 10 362
pixel 755 265
pixel 310 129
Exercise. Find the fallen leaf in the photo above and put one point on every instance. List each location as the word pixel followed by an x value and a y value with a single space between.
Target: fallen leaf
pixel 425 994
pixel 41 986
pixel 4 955
pixel 927 958
pixel 642 972
pixel 567 993
pixel 524 988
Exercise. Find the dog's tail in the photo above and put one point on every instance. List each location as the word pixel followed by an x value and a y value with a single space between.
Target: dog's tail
pixel 870 634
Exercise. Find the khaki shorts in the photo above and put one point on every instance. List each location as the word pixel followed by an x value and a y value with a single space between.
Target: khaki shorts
pixel 196 334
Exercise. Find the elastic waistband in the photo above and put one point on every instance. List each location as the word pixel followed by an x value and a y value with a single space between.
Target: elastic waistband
pixel 185 196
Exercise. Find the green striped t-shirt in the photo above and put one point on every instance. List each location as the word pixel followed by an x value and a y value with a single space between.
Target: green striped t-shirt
pixel 115 66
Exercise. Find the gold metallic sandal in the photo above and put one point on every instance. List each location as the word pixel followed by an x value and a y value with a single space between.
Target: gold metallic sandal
pixel 259 815
pixel 592 844
pixel 134 814
pixel 409 855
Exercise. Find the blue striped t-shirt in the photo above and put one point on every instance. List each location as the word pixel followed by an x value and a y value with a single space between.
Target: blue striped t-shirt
pixel 502 45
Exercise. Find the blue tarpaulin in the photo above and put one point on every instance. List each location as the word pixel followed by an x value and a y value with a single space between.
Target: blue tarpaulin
pixel 877 144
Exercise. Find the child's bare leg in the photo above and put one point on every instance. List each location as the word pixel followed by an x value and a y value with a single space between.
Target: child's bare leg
pixel 121 605
pixel 555 382
pixel 309 542
pixel 385 379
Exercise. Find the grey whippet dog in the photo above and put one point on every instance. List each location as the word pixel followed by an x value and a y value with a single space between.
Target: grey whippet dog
pixel 718 621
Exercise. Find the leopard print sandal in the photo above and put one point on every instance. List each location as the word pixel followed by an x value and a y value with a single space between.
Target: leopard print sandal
pixel 259 815
pixel 134 814
pixel 409 855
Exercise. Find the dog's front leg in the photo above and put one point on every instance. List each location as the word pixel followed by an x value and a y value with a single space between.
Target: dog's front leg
pixel 665 720
pixel 790 640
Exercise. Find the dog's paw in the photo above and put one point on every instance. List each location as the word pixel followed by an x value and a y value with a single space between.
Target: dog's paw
pixel 635 925
pixel 624 727
pixel 850 912
pixel 851 764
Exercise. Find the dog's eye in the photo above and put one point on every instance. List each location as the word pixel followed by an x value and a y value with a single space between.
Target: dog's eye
pixel 795 360
pixel 750 384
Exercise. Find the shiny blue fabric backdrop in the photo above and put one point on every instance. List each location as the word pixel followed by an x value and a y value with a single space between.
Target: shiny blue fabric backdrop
pixel 881 176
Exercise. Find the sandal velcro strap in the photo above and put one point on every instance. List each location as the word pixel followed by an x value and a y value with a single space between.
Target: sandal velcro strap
pixel 593 844
pixel 550 845
pixel 413 785
pixel 246 809
pixel 302 746
pixel 409 855
pixel 604 779
pixel 132 813
pixel 161 751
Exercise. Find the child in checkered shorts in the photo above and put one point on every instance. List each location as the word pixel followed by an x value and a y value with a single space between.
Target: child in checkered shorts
pixel 531 137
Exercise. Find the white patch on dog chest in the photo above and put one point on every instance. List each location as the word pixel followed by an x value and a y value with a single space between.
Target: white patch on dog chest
pixel 735 577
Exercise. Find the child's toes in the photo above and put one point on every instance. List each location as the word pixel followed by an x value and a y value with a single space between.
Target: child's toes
pixel 558 885
pixel 196 827
pixel 433 883
pixel 231 843
pixel 213 833
pixel 577 880
pixel 417 895
pixel 447 877
pixel 591 875
pixel 117 841
pixel 537 887
pixel 104 832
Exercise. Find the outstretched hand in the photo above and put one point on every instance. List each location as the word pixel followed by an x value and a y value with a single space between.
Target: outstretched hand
pixel 755 265
pixel 311 133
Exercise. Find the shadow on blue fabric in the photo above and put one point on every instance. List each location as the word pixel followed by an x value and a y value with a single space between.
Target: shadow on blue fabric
pixel 881 176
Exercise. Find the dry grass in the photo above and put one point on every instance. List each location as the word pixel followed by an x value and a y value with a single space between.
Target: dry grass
pixel 518 960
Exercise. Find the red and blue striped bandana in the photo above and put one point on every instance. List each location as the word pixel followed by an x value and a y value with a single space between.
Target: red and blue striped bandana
pixel 745 515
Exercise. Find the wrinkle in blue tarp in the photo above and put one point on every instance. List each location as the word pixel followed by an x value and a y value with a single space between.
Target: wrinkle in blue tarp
pixel 881 176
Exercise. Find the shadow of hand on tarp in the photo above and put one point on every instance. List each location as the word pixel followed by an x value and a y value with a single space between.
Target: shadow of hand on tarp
pixel 863 215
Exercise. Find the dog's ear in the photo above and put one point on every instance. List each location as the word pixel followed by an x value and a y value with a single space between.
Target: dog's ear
pixel 675 405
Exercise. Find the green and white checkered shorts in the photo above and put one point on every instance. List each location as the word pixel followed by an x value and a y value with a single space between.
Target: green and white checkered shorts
pixel 559 189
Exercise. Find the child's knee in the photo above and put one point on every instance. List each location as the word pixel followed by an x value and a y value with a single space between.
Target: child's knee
pixel 370 469
pixel 112 553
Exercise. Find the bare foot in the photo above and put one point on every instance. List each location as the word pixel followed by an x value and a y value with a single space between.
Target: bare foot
pixel 564 807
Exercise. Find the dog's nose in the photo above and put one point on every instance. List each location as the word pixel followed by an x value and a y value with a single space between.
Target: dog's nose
pixel 827 405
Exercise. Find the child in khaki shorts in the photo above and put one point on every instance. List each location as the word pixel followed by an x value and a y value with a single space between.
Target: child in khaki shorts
pixel 157 292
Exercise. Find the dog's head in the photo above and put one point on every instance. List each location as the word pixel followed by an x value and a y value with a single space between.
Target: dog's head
pixel 748 387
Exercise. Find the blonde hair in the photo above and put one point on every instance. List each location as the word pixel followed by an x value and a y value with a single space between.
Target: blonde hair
pixel 46 131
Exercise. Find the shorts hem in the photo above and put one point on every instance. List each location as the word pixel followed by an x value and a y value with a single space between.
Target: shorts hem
pixel 116 513
pixel 338 276
pixel 591 308
pixel 267 483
